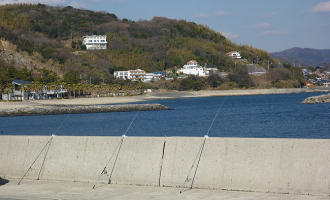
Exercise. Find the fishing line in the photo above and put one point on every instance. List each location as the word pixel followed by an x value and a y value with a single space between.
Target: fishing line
pixel 119 145
pixel 48 143
pixel 200 151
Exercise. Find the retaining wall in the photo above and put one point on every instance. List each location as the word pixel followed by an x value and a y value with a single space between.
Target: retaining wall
pixel 298 166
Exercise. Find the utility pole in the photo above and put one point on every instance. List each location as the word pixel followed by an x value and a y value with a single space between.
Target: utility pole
pixel 90 80
pixel 268 65
pixel 235 66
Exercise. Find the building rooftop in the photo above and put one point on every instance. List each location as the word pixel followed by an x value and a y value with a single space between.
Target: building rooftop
pixel 19 82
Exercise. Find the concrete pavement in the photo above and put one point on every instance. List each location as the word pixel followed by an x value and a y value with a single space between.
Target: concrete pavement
pixel 42 189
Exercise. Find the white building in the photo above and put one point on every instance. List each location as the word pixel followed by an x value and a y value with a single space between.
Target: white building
pixel 95 42
pixel 192 68
pixel 234 54
pixel 149 77
pixel 134 75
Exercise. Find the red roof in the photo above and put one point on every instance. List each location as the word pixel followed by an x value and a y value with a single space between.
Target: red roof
pixel 230 52
pixel 193 61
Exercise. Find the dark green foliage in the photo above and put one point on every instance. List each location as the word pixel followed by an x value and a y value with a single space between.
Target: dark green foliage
pixel 241 77
pixel 192 83
pixel 214 80
pixel 47 76
pixel 73 77
pixel 288 66
pixel 284 77
pixel 312 76
pixel 7 73
pixel 311 68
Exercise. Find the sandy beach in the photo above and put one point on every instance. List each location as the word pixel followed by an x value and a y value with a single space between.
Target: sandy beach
pixel 151 96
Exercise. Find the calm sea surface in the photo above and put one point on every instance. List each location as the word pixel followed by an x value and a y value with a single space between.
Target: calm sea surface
pixel 261 116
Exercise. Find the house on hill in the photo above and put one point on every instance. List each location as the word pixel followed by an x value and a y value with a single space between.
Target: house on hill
pixel 210 69
pixel 324 75
pixel 234 54
pixel 95 42
pixel 192 68
pixel 311 83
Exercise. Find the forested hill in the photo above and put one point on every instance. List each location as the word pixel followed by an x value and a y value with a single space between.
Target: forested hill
pixel 55 34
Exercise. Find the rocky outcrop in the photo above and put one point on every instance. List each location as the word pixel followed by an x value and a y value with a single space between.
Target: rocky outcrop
pixel 9 55
pixel 318 99
pixel 78 109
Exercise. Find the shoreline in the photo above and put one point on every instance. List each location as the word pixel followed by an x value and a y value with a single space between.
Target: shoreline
pixel 153 96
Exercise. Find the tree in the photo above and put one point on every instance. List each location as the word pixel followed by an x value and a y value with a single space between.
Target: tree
pixel 214 80
pixel 72 77
pixel 7 90
pixel 311 68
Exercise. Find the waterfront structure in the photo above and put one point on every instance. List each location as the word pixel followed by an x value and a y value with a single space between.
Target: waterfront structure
pixel 234 54
pixel 18 92
pixel 192 68
pixel 134 75
pixel 95 42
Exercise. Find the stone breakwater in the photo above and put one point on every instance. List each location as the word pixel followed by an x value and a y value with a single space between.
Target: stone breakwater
pixel 78 109
pixel 318 99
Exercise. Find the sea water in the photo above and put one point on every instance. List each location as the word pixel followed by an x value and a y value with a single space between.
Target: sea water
pixel 255 116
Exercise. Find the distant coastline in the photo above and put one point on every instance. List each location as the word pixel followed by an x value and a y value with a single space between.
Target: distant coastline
pixel 154 96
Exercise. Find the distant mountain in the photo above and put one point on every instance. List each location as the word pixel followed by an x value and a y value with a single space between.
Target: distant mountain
pixel 304 56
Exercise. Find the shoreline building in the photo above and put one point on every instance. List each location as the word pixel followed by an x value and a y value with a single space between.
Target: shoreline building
pixel 134 75
pixel 192 68
pixel 95 42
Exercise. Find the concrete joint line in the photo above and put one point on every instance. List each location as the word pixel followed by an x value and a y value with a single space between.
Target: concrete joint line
pixel 161 164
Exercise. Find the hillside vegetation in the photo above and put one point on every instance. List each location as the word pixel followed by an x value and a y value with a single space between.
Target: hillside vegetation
pixel 55 34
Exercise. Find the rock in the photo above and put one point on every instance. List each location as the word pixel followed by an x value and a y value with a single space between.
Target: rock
pixel 318 99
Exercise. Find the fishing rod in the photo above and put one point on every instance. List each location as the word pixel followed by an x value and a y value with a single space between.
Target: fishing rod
pixel 200 151
pixel 104 171
pixel 48 143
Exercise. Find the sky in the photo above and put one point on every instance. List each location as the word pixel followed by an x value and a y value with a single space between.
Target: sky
pixel 271 25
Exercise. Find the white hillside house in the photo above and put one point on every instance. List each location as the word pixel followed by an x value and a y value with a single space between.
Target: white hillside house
pixel 95 42
pixel 234 54
pixel 192 68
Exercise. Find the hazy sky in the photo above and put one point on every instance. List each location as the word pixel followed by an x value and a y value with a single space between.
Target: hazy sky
pixel 272 25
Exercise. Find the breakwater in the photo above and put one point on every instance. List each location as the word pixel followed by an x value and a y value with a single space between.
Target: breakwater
pixel 78 109
pixel 295 166
pixel 318 99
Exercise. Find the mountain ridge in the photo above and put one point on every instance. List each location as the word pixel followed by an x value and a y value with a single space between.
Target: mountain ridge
pixel 304 56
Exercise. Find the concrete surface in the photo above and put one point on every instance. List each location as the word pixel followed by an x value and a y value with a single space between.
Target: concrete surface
pixel 43 190
pixel 267 165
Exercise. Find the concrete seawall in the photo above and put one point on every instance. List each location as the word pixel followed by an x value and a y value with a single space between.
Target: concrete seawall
pixel 295 166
